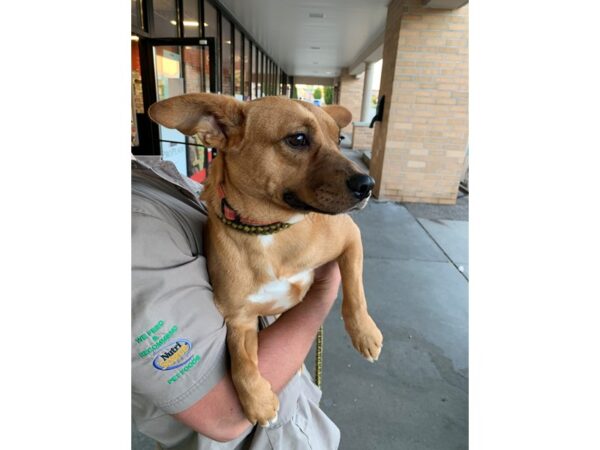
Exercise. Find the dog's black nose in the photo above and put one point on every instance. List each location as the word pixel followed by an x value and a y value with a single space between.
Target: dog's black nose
pixel 361 185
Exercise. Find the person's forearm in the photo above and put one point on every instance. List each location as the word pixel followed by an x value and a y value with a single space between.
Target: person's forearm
pixel 283 347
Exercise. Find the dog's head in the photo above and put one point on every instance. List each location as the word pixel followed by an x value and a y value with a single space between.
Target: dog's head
pixel 279 150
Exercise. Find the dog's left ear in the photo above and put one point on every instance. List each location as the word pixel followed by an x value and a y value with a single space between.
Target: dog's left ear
pixel 340 114
pixel 218 120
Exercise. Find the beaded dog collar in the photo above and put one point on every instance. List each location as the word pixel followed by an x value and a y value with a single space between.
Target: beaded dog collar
pixel 230 217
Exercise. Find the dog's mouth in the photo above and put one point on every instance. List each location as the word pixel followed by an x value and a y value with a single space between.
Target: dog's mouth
pixel 360 205
pixel 293 201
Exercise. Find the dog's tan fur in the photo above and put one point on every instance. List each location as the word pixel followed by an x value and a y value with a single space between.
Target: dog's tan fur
pixel 256 166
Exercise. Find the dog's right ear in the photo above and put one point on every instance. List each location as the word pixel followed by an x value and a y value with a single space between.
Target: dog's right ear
pixel 218 120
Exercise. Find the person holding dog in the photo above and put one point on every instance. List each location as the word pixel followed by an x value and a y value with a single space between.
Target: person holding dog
pixel 182 393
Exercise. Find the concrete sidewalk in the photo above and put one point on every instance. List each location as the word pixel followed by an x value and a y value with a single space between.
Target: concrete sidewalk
pixel 416 396
pixel 416 280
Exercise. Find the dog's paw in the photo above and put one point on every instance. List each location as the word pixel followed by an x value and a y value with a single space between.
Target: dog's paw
pixel 262 406
pixel 366 337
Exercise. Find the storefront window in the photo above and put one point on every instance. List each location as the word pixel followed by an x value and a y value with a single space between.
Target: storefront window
pixel 247 72
pixel 191 21
pixel 165 18
pixel 137 99
pixel 259 75
pixel 270 75
pixel 226 69
pixel 273 88
pixel 192 57
pixel 137 20
pixel 238 44
pixel 253 66
pixel 263 76
pixel 279 83
pixel 210 20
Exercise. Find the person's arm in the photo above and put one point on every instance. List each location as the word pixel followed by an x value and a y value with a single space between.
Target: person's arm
pixel 282 349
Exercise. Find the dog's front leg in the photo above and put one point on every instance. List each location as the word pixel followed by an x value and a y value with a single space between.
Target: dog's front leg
pixel 258 401
pixel 366 337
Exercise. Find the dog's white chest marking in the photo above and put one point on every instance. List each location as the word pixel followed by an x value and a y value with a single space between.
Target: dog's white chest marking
pixel 266 240
pixel 280 290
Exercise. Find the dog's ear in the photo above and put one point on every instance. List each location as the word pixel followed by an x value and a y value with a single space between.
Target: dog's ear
pixel 218 120
pixel 340 114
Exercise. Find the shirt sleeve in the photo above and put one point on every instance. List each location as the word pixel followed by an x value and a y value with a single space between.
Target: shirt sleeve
pixel 178 335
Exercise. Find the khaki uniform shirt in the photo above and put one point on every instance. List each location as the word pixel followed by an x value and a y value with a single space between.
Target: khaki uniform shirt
pixel 178 351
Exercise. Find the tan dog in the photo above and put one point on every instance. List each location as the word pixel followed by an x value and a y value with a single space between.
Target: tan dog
pixel 275 196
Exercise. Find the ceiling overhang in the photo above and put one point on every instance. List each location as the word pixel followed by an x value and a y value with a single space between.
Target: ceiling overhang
pixel 444 4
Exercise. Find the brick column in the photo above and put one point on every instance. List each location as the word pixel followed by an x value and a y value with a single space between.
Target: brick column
pixel 351 89
pixel 419 148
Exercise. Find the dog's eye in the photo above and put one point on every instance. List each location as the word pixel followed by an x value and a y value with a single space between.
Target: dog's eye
pixel 340 139
pixel 298 140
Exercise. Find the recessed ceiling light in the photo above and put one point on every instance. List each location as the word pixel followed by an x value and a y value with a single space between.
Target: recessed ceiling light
pixel 205 24
pixel 315 15
pixel 228 42
pixel 135 38
pixel 187 23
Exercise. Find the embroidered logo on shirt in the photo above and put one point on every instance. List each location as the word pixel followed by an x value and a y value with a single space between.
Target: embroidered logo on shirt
pixel 184 370
pixel 174 355
pixel 159 342
pixel 150 332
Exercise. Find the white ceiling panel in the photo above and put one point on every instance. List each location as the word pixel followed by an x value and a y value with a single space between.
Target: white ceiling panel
pixel 315 46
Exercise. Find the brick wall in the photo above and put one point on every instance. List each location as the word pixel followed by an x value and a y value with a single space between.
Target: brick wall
pixel 350 95
pixel 419 150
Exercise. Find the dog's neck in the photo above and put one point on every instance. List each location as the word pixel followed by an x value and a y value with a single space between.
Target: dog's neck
pixel 254 211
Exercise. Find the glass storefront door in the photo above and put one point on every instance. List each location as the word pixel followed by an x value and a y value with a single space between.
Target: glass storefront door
pixel 180 66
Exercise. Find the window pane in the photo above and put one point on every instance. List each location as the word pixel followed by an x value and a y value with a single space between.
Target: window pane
pixel 136 15
pixel 210 20
pixel 266 75
pixel 165 18
pixel 206 62
pixel 267 72
pixel 270 73
pixel 226 73
pixel 259 72
pixel 192 57
pixel 238 61
pixel 263 84
pixel 254 78
pixel 279 85
pixel 211 29
pixel 247 73
pixel 273 92
pixel 191 21
pixel 137 100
